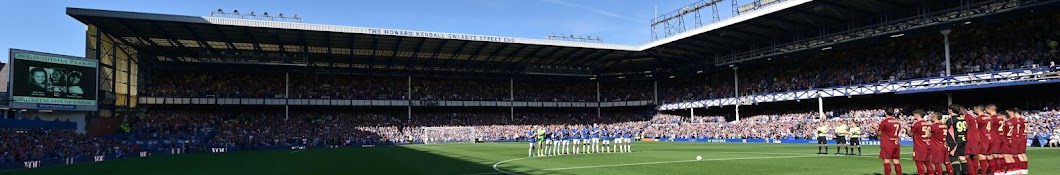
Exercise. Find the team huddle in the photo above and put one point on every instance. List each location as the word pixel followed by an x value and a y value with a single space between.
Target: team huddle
pixel 578 140
pixel 981 141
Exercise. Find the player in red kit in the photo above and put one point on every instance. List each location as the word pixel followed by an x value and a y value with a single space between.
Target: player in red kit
pixel 1008 144
pixel 889 146
pixel 921 134
pixel 1021 148
pixel 1018 142
pixel 997 134
pixel 974 147
pixel 938 148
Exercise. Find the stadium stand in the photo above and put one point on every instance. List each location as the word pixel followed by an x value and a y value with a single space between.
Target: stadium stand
pixel 980 49
pixel 1024 42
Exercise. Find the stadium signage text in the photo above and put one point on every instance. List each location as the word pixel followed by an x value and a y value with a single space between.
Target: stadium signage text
pixel 56 106
pixel 45 100
pixel 439 35
pixel 56 60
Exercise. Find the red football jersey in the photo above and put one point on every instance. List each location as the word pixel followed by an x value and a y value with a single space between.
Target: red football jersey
pixel 1000 129
pixel 1021 129
pixel 888 130
pixel 938 134
pixel 972 134
pixel 921 133
pixel 986 127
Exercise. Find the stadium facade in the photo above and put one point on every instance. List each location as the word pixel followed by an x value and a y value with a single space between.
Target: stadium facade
pixel 131 45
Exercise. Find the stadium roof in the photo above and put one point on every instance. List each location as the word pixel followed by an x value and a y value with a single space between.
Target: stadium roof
pixel 175 39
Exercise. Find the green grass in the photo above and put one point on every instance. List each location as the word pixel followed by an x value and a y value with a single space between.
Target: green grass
pixel 465 159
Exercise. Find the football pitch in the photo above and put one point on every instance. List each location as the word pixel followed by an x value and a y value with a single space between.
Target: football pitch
pixel 511 158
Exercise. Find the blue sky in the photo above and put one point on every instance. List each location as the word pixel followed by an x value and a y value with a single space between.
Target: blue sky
pixel 42 25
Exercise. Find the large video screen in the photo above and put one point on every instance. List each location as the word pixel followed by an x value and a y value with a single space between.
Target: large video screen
pixel 53 82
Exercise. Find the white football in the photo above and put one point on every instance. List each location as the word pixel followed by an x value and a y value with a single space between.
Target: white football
pixel 699 157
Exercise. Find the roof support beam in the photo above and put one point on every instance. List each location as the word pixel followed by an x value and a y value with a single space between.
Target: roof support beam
pixel 434 55
pixel 566 58
pixel 390 62
pixel 493 55
pixel 532 53
pixel 477 55
pixel 416 51
pixel 446 63
pixel 482 65
pixel 457 52
pixel 586 58
pixel 154 45
pixel 371 58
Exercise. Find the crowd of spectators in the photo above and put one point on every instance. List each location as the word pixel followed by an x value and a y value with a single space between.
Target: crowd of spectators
pixel 321 86
pixel 460 89
pixel 1006 45
pixel 325 86
pixel 214 84
pixel 20 145
pixel 627 91
pixel 555 90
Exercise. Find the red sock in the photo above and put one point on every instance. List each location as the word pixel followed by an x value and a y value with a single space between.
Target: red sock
pixel 938 168
pixel 986 165
pixel 886 169
pixel 928 168
pixel 973 166
pixel 1000 166
pixel 920 167
pixel 1023 165
pixel 898 168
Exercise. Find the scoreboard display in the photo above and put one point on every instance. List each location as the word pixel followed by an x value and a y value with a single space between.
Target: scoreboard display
pixel 52 82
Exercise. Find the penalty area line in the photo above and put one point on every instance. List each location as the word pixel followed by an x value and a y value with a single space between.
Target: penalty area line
pixel 296 151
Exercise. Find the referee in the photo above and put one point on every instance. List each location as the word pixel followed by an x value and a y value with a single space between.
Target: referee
pixel 822 138
pixel 841 137
pixel 855 138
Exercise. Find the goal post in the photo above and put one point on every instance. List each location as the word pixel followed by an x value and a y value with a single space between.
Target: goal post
pixel 436 135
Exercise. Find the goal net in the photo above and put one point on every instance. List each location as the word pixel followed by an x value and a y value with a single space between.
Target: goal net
pixel 436 135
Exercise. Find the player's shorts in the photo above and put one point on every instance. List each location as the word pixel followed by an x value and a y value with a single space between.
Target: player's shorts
pixel 939 154
pixel 958 150
pixel 548 142
pixel 840 140
pixel 596 140
pixel 890 153
pixel 921 154
pixel 565 142
pixel 821 140
pixel 855 141
pixel 531 144
pixel 986 147
pixel 1009 147
pixel 618 140
pixel 629 140
pixel 997 148
pixel 972 147
pixel 1022 147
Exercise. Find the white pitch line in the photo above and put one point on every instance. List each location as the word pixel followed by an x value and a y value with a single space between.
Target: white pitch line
pixel 295 151
pixel 499 171
pixel 679 161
